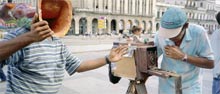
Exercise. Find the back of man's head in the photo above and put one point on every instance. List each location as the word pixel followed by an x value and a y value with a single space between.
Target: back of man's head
pixel 218 18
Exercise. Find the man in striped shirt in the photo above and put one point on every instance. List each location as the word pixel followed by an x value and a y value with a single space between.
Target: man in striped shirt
pixel 39 67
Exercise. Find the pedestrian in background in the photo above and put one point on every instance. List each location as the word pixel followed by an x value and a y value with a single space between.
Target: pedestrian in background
pixel 215 38
pixel 137 35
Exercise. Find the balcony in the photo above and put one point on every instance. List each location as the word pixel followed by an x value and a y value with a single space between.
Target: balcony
pixel 106 12
pixel 213 11
pixel 191 7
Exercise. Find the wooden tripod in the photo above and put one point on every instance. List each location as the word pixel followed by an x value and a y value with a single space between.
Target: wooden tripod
pixel 138 86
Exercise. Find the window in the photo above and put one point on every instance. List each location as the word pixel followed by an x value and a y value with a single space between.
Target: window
pixel 158 14
pixel 96 4
pixel 106 4
pixel 194 4
pixel 201 4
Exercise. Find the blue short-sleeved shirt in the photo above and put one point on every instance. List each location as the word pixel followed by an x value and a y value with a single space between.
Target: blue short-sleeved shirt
pixel 38 68
pixel 195 43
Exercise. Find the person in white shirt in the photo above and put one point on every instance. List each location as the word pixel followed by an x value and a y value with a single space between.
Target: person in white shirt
pixel 137 35
pixel 216 49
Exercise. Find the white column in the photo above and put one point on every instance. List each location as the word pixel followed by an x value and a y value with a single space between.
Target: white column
pixel 117 3
pixel 141 6
pixel 89 25
pixel 133 6
pixel 96 5
pixel 126 6
pixel 151 7
pixel 109 26
pixel 100 5
pixel 109 5
pixel 113 6
pixel 76 25
pixel 147 7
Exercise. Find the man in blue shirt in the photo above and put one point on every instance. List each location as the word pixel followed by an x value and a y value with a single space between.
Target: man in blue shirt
pixel 215 38
pixel 185 48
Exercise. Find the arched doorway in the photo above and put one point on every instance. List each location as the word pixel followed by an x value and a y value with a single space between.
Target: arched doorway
pixel 136 23
pixel 72 28
pixel 150 28
pixel 113 26
pixel 94 26
pixel 129 26
pixel 121 26
pixel 143 26
pixel 157 26
pixel 82 26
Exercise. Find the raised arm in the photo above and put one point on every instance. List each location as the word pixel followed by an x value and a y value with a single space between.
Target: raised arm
pixel 115 55
pixel 39 31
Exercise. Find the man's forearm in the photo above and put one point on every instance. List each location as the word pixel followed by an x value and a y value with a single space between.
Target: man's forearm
pixel 9 47
pixel 201 62
pixel 91 64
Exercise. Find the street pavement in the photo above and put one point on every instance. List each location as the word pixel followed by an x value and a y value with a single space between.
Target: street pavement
pixel 96 81
pixel 78 44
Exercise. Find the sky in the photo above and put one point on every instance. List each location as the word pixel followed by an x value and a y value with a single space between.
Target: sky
pixel 218 1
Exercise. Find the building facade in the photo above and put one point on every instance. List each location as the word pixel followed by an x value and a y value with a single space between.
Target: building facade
pixel 120 15
pixel 200 12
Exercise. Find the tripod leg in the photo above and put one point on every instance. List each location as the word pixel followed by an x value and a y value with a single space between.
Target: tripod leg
pixel 141 88
pixel 131 88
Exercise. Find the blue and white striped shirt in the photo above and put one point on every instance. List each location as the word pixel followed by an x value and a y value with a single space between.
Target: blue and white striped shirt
pixel 38 68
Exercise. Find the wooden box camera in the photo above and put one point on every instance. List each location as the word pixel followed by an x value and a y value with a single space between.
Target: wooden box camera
pixel 141 58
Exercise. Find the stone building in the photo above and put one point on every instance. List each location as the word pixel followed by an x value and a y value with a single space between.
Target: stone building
pixel 200 12
pixel 120 15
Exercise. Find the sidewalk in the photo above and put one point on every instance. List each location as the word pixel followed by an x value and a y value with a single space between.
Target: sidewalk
pixel 79 44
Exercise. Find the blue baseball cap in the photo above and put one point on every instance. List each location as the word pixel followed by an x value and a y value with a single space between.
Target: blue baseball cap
pixel 172 22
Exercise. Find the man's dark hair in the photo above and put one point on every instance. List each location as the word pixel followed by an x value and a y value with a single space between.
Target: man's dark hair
pixel 218 18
